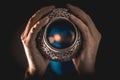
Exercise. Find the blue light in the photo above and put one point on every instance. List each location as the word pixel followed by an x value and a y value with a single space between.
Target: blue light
pixel 56 67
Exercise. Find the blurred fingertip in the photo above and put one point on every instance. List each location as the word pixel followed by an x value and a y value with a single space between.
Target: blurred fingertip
pixel 47 19
pixel 69 5
pixel 72 16
pixel 38 22
pixel 52 6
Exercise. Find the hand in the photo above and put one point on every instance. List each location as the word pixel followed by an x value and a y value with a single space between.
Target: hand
pixel 36 63
pixel 85 62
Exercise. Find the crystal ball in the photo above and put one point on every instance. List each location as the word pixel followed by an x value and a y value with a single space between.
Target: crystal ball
pixel 60 34
pixel 60 39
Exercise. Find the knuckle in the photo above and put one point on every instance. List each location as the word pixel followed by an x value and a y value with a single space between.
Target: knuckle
pixel 31 33
pixel 38 23
pixel 33 16
pixel 88 19
pixel 31 19
pixel 85 29
pixel 22 36
pixel 28 42
pixel 33 29
pixel 98 37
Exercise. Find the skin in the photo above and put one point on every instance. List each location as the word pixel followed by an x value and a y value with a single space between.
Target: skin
pixel 84 63
pixel 36 63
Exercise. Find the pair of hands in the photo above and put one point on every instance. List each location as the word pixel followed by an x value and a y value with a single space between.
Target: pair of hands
pixel 84 63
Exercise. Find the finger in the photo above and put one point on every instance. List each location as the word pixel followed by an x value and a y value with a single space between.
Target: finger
pixel 84 17
pixel 82 27
pixel 36 28
pixel 37 16
pixel 79 13
pixel 40 13
pixel 40 63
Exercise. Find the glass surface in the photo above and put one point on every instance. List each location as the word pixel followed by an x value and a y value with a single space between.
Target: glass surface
pixel 61 34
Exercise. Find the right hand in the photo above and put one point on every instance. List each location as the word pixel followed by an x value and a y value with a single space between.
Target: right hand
pixel 85 62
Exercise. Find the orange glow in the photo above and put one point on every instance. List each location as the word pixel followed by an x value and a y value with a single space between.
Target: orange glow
pixel 57 37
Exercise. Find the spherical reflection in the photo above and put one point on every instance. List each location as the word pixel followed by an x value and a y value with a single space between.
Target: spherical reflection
pixel 56 37
pixel 60 34
pixel 60 39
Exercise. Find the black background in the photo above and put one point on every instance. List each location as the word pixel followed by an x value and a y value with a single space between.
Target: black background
pixel 105 14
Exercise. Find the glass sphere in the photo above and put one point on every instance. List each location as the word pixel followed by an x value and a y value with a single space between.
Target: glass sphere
pixel 60 39
pixel 60 34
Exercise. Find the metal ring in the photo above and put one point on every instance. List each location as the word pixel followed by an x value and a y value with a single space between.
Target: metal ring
pixel 51 52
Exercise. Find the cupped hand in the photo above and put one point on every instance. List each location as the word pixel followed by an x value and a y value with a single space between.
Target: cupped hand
pixel 36 62
pixel 85 62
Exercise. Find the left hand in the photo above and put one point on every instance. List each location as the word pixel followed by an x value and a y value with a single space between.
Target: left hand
pixel 37 64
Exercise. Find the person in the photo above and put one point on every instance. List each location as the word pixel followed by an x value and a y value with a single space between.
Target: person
pixel 84 63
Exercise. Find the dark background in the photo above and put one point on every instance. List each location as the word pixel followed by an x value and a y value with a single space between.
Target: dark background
pixel 105 14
